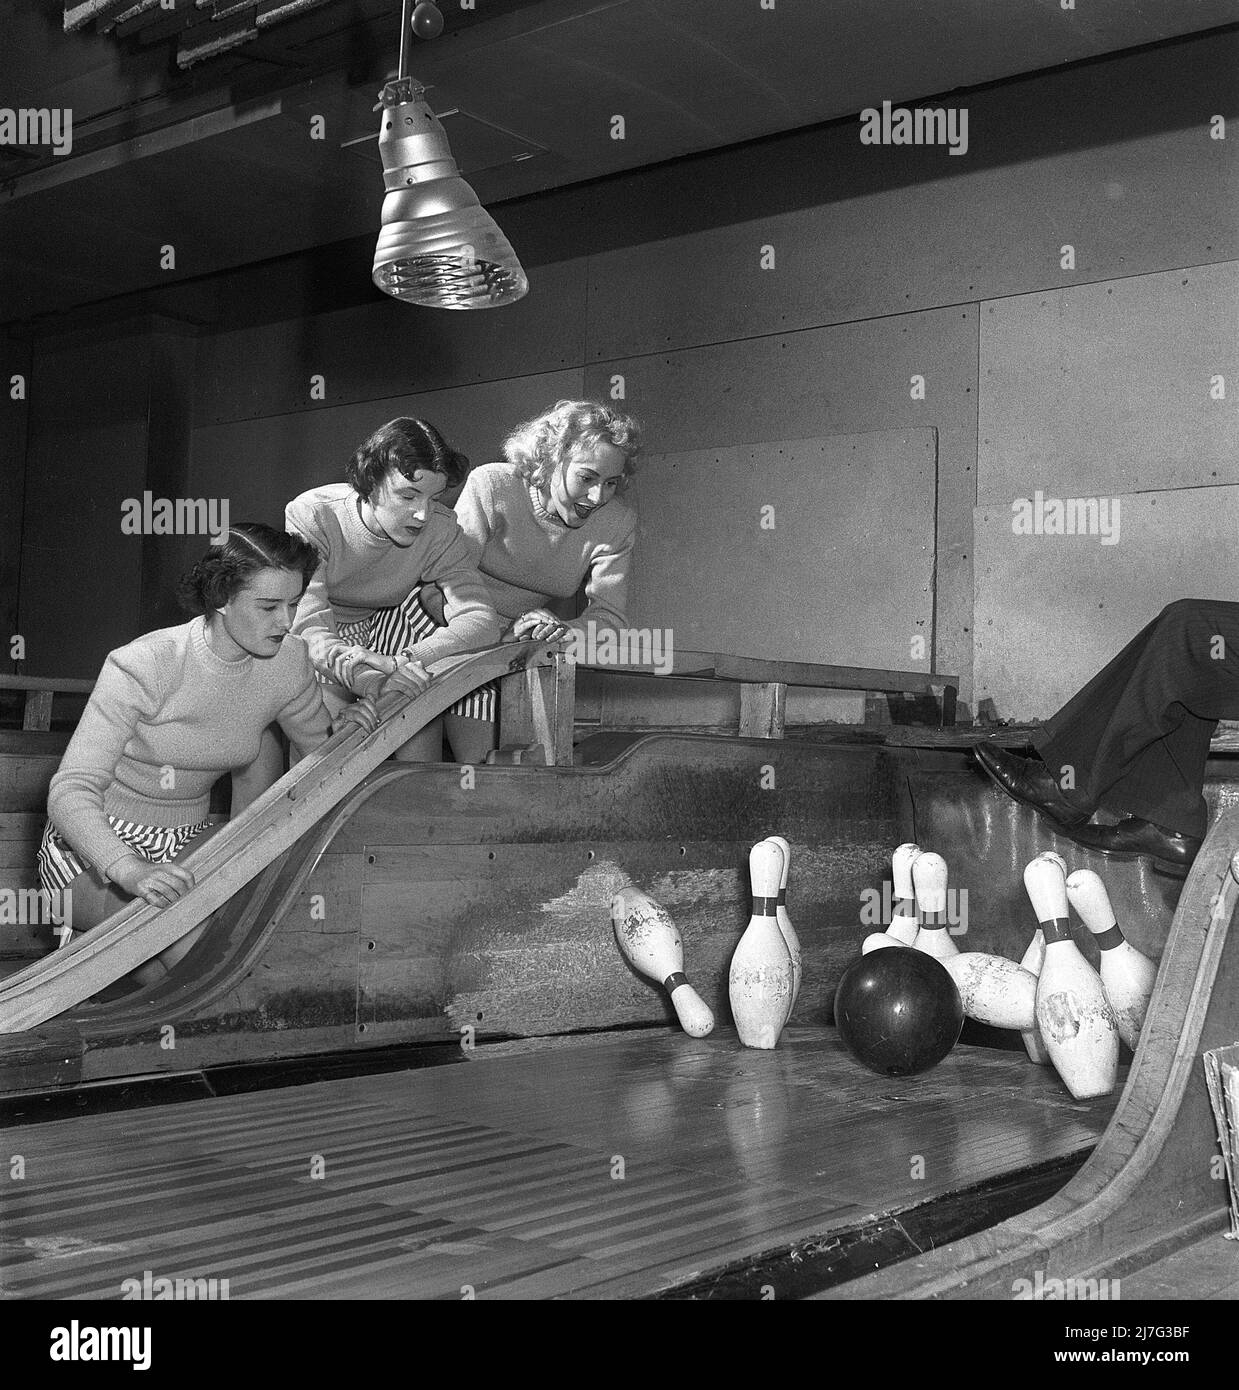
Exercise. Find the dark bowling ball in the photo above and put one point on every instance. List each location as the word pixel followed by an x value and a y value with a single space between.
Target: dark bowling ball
pixel 898 1011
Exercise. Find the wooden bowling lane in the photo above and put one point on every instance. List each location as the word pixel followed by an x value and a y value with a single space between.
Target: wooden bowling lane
pixel 603 1166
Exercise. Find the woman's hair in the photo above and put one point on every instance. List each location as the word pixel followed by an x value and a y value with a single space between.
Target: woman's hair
pixel 406 445
pixel 539 446
pixel 225 569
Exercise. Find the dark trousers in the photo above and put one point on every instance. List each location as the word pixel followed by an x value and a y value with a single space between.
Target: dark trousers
pixel 1134 740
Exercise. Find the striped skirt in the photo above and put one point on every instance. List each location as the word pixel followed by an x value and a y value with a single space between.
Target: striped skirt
pixel 158 844
pixel 392 631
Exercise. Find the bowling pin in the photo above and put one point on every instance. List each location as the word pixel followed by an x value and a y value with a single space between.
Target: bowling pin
pixel 877 941
pixel 904 925
pixel 1073 1014
pixel 994 990
pixel 1128 976
pixel 785 922
pixel 1031 961
pixel 761 977
pixel 650 943
pixel 929 882
pixel 1034 1044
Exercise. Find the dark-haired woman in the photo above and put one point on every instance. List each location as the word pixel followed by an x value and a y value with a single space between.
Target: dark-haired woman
pixel 383 534
pixel 170 713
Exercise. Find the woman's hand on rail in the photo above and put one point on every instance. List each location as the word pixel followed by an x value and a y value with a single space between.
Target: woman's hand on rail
pixel 541 625
pixel 409 678
pixel 363 714
pixel 158 884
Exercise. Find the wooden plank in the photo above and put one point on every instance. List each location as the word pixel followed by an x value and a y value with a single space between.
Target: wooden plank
pixel 536 708
pixel 37 714
pixel 745 668
pixel 244 847
pixel 62 683
pixel 1040 428
pixel 763 709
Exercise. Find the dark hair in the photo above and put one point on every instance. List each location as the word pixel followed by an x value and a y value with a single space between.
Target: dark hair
pixel 407 445
pixel 225 569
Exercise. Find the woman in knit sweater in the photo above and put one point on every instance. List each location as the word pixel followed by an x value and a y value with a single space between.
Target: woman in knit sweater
pixel 381 535
pixel 543 523
pixel 170 713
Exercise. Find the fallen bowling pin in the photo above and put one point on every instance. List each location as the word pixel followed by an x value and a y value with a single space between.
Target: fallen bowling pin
pixel 761 977
pixel 994 990
pixel 929 876
pixel 904 924
pixel 1128 976
pixel 650 943
pixel 785 922
pixel 1034 1043
pixel 1073 1013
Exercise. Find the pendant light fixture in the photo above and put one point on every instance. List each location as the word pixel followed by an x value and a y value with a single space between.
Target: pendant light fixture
pixel 437 246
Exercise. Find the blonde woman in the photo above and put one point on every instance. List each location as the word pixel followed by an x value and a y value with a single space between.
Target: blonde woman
pixel 548 520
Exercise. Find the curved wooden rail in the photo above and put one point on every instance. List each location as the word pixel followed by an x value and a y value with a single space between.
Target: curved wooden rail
pixel 247 845
pixel 1148 1186
pixel 238 933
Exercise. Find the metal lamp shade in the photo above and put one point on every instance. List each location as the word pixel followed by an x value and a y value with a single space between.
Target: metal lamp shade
pixel 437 246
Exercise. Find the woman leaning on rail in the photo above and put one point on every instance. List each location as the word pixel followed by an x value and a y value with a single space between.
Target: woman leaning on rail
pixel 170 713
pixel 539 526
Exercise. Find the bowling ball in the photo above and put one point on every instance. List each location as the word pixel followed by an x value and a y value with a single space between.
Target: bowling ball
pixel 898 1011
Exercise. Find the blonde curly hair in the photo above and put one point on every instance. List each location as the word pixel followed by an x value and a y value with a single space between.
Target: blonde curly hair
pixel 539 446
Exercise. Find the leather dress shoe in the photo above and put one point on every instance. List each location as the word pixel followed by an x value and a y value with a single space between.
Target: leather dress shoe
pixel 1132 837
pixel 1030 781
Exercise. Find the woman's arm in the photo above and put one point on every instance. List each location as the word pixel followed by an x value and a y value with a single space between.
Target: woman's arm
pixel 128 689
pixel 471 621
pixel 606 584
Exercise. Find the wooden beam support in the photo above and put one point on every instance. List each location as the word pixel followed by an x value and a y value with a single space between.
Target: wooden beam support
pixel 536 708
pixel 38 711
pixel 763 710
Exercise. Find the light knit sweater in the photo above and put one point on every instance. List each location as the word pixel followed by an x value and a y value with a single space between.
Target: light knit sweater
pixel 362 572
pixel 529 558
pixel 166 719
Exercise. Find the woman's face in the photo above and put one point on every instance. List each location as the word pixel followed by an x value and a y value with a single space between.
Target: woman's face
pixel 586 481
pixel 399 507
pixel 258 618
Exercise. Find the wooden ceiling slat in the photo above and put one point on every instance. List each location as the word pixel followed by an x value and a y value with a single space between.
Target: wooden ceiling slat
pixel 77 16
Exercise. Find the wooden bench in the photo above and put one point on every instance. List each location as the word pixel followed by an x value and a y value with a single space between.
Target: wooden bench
pixel 40 692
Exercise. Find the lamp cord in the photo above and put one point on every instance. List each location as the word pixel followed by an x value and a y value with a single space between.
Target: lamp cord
pixel 404 39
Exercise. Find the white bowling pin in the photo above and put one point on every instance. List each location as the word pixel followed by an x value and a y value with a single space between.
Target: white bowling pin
pixel 904 925
pixel 929 882
pixel 994 990
pixel 761 977
pixel 1034 1043
pixel 650 943
pixel 878 941
pixel 785 922
pixel 1073 1014
pixel 1128 976
pixel 1031 961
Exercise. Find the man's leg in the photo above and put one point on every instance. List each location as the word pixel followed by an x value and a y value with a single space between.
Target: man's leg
pixel 1135 739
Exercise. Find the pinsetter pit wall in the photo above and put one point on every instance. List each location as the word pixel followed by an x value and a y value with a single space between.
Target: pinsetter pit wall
pixel 433 903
